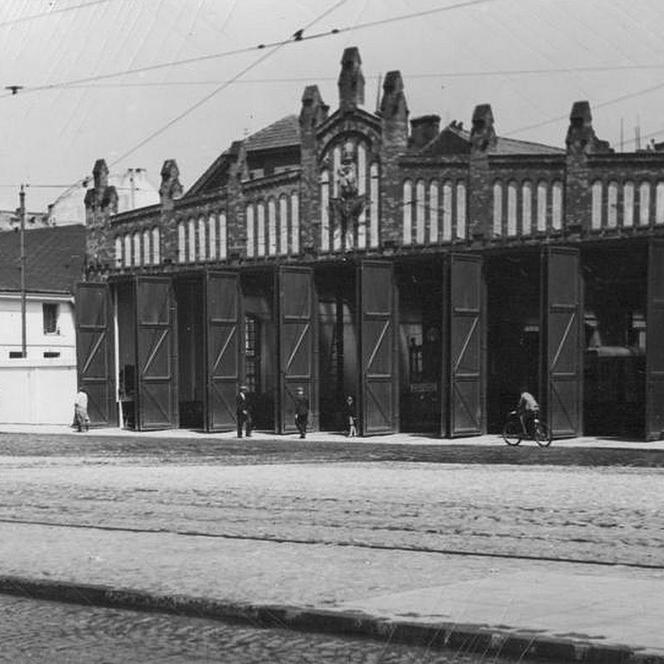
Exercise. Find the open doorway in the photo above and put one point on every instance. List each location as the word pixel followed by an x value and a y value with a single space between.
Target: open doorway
pixel 420 344
pixel 513 333
pixel 191 351
pixel 615 339
pixel 338 342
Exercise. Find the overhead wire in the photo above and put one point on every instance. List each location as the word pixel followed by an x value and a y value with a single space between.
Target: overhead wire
pixel 250 49
pixel 608 102
pixel 31 17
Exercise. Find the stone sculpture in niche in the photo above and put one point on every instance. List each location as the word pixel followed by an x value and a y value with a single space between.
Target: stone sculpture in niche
pixel 349 204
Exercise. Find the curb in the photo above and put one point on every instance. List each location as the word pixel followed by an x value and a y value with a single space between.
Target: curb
pixel 468 638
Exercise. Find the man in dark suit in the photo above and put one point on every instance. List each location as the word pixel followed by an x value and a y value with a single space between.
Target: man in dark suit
pixel 243 412
pixel 301 412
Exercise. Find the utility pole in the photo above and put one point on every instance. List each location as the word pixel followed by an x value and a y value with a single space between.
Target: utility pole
pixel 22 213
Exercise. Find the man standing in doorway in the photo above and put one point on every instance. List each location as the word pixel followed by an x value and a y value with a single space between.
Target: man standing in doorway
pixel 301 412
pixel 243 412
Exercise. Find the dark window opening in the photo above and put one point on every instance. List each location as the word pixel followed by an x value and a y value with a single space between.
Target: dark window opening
pixel 50 313
pixel 15 354
pixel 51 353
pixel 252 353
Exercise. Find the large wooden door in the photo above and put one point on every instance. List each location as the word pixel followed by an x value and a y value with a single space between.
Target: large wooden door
pixel 94 351
pixel 157 403
pixel 223 337
pixel 562 354
pixel 298 345
pixel 463 394
pixel 654 425
pixel 378 365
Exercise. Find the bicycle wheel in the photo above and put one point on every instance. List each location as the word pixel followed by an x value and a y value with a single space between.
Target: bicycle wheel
pixel 542 434
pixel 512 433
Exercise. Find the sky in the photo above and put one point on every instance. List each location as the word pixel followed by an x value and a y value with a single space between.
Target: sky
pixel 530 59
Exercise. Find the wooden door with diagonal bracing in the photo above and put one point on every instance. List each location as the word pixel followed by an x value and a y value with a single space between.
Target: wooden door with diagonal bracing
pixel 298 346
pixel 463 407
pixel 654 425
pixel 157 405
pixel 563 369
pixel 222 299
pixel 377 317
pixel 94 351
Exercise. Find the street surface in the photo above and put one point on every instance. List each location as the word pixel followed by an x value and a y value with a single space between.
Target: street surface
pixel 595 514
pixel 36 632
pixel 297 524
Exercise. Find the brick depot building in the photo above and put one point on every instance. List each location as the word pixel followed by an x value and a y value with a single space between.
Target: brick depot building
pixel 430 273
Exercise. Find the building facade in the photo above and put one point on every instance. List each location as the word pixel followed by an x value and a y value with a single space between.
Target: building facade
pixel 431 273
pixel 38 369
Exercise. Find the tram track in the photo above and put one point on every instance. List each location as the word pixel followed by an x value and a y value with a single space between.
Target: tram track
pixel 340 543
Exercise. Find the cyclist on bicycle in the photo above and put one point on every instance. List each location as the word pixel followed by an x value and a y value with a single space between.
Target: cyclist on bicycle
pixel 528 410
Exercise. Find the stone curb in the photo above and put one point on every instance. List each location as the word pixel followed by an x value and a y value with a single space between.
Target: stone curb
pixel 459 637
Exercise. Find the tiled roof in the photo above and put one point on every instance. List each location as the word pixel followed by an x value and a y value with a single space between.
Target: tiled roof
pixel 54 259
pixel 279 134
pixel 453 139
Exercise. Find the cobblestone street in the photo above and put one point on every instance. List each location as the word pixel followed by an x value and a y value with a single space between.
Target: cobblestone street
pixel 34 632
pixel 278 523
pixel 607 514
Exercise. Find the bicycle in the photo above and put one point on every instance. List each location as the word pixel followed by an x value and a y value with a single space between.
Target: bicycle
pixel 515 430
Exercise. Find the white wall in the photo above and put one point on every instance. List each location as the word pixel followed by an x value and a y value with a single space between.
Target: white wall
pixel 64 341
pixel 37 393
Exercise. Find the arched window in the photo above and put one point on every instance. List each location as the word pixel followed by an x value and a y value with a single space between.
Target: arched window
pixel 191 240
pixel 127 250
pixel 374 202
pixel 628 204
pixel 461 210
pixel 202 242
pixel 260 229
pixel 557 205
pixel 420 209
pixel 644 204
pixel 272 227
pixel 511 208
pixel 222 236
pixel 612 205
pixel 325 210
pixel 156 246
pixel 433 212
pixel 362 190
pixel 251 249
pixel 498 208
pixel 659 203
pixel 407 203
pixel 212 237
pixel 182 242
pixel 526 208
pixel 541 206
pixel 137 248
pixel 147 254
pixel 596 215
pixel 283 225
pixel 118 251
pixel 295 222
pixel 447 211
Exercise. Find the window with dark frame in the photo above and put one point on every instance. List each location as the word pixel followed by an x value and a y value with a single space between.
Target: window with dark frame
pixel 50 314
pixel 252 353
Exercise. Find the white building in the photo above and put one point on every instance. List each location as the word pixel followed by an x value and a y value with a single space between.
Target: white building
pixel 39 388
pixel 134 191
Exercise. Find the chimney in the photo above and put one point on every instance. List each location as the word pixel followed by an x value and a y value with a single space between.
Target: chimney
pixel 424 129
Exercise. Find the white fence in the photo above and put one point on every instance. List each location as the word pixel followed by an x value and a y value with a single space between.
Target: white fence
pixel 36 394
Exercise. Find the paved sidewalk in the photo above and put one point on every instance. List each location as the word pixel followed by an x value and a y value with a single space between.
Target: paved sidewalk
pixel 566 612
pixel 317 437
